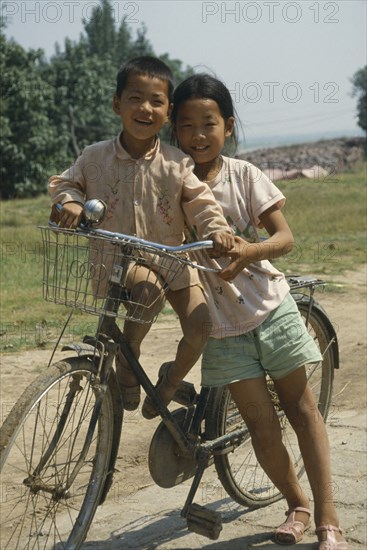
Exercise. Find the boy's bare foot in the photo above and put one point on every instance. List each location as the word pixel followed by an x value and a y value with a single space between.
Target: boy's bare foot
pixel 165 388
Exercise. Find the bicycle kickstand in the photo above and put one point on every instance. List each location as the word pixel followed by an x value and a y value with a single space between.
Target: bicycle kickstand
pixel 201 520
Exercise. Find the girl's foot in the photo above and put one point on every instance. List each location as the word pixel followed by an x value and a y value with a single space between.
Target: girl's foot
pixel 164 387
pixel 128 384
pixel 292 530
pixel 331 538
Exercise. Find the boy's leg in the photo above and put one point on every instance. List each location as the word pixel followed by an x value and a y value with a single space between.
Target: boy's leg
pixel 146 290
pixel 191 307
pixel 297 400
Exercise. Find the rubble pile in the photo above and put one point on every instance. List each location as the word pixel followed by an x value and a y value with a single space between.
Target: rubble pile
pixel 313 160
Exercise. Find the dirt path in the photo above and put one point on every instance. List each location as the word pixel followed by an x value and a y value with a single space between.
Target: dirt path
pixel 117 524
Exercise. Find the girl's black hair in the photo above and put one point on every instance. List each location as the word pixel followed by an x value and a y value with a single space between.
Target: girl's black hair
pixel 145 65
pixel 205 86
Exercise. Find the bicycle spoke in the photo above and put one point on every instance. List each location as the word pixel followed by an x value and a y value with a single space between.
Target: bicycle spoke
pixel 47 475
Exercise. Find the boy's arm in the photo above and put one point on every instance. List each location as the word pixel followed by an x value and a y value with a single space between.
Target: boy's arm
pixel 203 212
pixel 69 190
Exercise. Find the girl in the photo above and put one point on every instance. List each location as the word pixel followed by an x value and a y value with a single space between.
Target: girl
pixel 256 325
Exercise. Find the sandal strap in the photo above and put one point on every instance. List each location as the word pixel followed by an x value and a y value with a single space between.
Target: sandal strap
pixel 294 528
pixel 328 528
pixel 298 509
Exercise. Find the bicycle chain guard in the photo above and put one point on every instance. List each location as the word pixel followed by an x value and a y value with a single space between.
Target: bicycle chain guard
pixel 167 466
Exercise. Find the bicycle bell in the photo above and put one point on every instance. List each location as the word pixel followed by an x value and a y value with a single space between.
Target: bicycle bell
pixel 95 210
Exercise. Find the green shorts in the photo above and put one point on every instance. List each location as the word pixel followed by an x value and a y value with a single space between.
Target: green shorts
pixel 280 345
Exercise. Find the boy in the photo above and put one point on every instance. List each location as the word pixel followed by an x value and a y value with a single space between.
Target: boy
pixel 150 191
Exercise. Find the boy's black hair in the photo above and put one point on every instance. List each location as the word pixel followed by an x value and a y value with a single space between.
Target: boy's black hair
pixel 145 65
pixel 205 86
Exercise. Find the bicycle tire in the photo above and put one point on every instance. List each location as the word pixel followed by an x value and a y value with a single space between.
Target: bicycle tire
pixel 41 444
pixel 239 472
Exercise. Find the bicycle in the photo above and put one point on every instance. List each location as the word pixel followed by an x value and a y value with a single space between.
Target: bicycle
pixel 59 442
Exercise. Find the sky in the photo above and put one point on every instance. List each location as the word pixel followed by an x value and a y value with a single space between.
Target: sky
pixel 288 64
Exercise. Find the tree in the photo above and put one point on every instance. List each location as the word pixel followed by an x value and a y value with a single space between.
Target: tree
pixel 359 81
pixel 100 31
pixel 50 110
pixel 83 88
pixel 28 142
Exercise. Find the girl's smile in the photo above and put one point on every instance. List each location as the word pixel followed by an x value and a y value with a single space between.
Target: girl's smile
pixel 201 131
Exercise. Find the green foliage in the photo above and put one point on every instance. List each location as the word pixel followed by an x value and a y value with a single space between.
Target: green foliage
pixel 50 110
pixel 359 82
pixel 28 141
pixel 82 99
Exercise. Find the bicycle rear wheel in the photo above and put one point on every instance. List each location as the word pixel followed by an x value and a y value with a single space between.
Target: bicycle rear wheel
pixel 51 478
pixel 239 472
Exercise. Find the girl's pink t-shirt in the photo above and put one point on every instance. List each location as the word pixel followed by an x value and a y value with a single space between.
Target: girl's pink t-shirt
pixel 244 193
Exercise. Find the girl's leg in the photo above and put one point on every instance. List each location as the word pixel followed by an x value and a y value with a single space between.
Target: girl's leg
pixel 256 407
pixel 299 405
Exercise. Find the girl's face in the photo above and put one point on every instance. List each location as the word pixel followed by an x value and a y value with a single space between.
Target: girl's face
pixel 201 129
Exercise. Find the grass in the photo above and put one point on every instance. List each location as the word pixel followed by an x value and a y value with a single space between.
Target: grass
pixel 327 218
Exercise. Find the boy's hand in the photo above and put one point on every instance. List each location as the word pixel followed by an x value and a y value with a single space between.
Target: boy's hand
pixel 223 242
pixel 70 215
pixel 54 215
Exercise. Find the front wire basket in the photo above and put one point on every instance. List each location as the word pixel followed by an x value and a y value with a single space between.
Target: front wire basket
pixel 98 275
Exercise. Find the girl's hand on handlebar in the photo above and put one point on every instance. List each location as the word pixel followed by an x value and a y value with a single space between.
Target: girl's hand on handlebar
pixel 70 215
pixel 240 259
pixel 223 242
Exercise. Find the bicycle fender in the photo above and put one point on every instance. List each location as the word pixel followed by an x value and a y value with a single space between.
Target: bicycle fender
pixel 81 349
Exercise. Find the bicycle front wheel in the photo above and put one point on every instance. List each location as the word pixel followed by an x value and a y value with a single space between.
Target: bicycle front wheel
pixel 53 464
pixel 239 471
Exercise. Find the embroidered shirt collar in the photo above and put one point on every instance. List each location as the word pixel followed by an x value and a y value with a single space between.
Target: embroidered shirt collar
pixel 122 154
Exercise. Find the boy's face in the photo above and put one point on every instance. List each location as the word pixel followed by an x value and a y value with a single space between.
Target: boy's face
pixel 143 107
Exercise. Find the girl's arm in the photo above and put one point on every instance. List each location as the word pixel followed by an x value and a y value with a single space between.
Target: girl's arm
pixel 280 242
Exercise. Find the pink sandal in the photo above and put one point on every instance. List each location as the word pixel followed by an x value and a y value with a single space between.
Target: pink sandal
pixel 292 530
pixel 330 543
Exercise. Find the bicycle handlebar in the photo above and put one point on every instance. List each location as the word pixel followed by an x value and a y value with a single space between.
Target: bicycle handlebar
pixel 127 239
pixel 94 270
pixel 86 229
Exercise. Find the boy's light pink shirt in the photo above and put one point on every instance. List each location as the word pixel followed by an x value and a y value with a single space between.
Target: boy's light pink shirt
pixel 151 197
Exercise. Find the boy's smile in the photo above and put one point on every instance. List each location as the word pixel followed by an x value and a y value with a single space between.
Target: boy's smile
pixel 143 108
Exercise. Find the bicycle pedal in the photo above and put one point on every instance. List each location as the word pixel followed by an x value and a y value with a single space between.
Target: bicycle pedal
pixel 203 521
pixel 186 394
